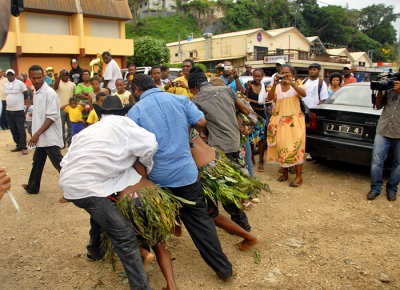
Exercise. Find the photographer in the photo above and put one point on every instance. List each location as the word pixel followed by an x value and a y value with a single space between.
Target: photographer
pixel 387 136
pixel 230 76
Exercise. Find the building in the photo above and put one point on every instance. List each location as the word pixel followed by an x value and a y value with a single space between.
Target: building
pixel 261 48
pixel 51 33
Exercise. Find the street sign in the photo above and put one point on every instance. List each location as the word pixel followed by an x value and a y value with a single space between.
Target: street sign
pixel 274 58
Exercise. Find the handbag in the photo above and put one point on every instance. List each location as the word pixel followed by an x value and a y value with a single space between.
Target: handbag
pixel 306 111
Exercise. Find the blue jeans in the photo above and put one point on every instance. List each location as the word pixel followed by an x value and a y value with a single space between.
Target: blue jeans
pixel 104 213
pixel 379 154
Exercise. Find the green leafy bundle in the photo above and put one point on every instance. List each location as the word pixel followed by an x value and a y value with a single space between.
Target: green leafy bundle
pixel 224 182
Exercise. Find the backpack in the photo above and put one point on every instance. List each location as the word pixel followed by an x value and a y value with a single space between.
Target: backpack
pixel 319 86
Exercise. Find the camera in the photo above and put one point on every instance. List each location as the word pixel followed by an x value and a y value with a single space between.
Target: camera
pixel 173 84
pixel 386 84
pixel 253 82
pixel 225 68
pixel 281 78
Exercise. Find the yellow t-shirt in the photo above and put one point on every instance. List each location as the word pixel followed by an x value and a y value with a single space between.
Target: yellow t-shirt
pixel 75 114
pixel 179 90
pixel 92 118
pixel 124 97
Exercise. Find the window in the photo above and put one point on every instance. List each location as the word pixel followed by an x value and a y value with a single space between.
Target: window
pixel 280 51
pixel 176 54
pixel 260 52
pixel 101 28
pixel 360 63
pixel 191 55
pixel 145 4
pixel 39 23
pixel 141 5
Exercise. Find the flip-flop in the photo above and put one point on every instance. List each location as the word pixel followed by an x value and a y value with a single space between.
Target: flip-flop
pixel 247 205
pixel 292 184
pixel 281 179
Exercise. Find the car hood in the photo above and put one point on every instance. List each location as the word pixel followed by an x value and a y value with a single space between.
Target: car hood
pixel 344 108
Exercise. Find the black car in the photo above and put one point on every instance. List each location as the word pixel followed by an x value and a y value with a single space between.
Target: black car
pixel 343 127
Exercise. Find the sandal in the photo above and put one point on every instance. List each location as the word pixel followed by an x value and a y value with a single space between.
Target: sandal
pixel 247 205
pixel 282 178
pixel 254 200
pixel 295 184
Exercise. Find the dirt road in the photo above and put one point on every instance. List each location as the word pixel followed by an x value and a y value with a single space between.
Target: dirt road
pixel 322 235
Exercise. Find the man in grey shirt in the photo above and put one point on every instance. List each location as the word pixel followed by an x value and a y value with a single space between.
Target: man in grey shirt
pixel 387 136
pixel 219 107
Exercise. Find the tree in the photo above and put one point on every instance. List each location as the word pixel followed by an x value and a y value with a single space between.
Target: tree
pixel 149 51
pixel 376 22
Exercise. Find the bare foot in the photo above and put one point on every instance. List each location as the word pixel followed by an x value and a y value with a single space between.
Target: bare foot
pixel 147 260
pixel 247 243
pixel 62 200
pixel 177 230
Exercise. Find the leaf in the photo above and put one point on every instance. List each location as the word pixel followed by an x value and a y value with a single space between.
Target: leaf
pixel 123 274
pixel 257 257
pixel 126 281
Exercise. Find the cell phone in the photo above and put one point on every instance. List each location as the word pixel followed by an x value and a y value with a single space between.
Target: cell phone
pixel 228 67
pixel 253 82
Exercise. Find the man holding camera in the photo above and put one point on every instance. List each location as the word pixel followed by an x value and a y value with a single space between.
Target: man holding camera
pixel 230 76
pixel 387 136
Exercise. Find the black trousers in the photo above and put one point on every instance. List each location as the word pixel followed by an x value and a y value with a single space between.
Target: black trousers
pixel 201 228
pixel 39 160
pixel 3 118
pixel 237 215
pixel 16 123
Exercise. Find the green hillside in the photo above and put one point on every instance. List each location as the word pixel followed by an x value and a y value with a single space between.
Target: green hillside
pixel 165 28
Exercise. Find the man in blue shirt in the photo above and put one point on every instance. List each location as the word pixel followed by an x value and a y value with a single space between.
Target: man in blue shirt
pixel 169 116
pixel 231 77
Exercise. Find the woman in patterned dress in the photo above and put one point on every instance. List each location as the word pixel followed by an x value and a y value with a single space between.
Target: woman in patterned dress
pixel 286 134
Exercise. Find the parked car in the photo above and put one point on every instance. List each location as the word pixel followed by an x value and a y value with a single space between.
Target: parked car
pixel 343 127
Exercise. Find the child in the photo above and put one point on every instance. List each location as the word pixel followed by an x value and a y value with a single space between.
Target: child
pixel 125 96
pixel 28 108
pixel 95 83
pixel 93 118
pixel 75 114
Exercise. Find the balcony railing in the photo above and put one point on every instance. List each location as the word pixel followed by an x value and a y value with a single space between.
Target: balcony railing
pixel 295 54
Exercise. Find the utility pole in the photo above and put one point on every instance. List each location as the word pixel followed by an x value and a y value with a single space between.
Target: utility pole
pixel 179 47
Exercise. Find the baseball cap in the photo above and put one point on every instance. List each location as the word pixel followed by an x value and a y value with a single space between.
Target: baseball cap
pixel 315 65
pixel 347 66
pixel 10 71
pixel 280 61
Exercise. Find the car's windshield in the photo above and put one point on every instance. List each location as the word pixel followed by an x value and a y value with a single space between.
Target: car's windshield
pixel 351 96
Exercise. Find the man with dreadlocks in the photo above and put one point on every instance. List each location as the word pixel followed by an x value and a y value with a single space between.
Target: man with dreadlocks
pixel 168 116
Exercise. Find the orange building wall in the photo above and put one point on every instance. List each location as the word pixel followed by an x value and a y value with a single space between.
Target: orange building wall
pixel 58 63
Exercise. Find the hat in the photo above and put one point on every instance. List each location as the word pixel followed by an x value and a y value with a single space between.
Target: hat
pixel 347 66
pixel 217 82
pixel 196 77
pixel 10 71
pixel 280 61
pixel 315 65
pixel 112 105
pixel 248 65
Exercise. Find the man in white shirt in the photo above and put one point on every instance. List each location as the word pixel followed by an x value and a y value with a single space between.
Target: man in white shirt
pixel 3 116
pixel 317 90
pixel 112 72
pixel 102 161
pixel 65 90
pixel 46 129
pixel 16 93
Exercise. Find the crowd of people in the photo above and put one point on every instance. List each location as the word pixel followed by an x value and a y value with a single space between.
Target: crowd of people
pixel 190 141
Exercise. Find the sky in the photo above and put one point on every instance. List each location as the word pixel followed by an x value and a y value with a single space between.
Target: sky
pixel 359 4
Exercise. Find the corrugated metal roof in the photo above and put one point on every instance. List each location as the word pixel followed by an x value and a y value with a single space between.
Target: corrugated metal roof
pixel 114 9
pixel 64 6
